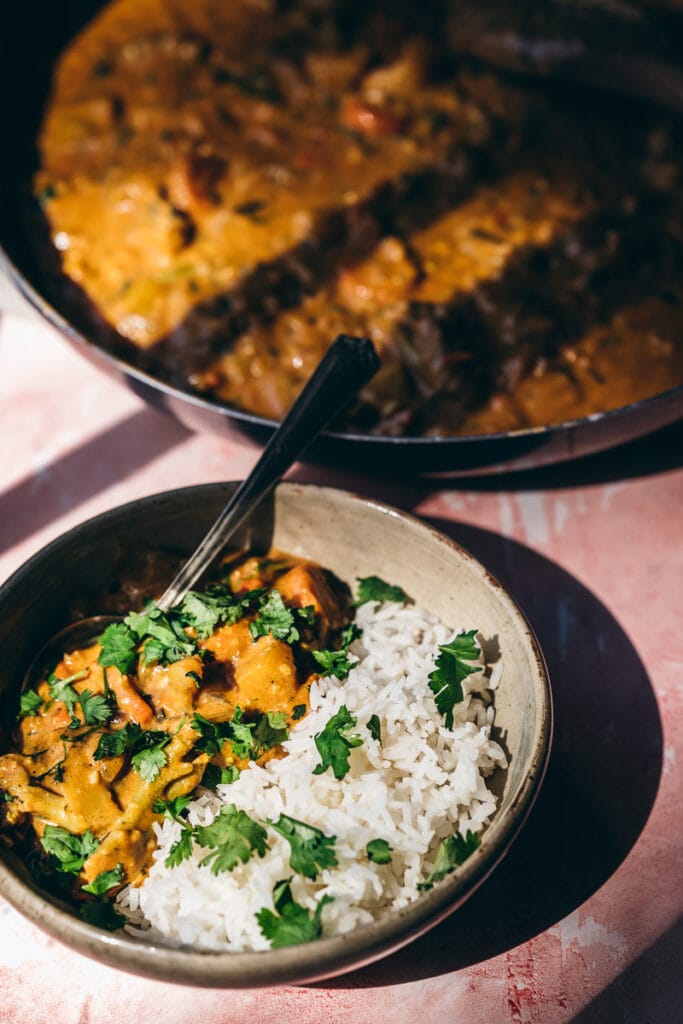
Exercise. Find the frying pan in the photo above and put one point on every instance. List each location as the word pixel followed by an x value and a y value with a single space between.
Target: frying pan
pixel 31 36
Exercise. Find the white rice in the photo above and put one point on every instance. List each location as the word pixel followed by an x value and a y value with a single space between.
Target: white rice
pixel 419 785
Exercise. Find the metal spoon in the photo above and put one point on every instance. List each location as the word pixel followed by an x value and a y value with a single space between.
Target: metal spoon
pixel 348 364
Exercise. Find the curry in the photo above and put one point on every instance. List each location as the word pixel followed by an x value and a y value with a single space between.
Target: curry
pixel 231 185
pixel 159 705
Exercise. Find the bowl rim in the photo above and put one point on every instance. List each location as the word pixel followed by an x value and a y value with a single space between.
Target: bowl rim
pixel 331 955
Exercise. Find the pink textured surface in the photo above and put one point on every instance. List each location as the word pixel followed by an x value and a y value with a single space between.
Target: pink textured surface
pixel 582 920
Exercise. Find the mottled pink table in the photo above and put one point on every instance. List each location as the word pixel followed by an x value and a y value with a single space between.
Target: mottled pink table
pixel 582 920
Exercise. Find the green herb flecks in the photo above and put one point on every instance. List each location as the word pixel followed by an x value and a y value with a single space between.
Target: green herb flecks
pixel 70 851
pixel 337 663
pixel 374 727
pixel 453 851
pixel 105 881
pixel 373 588
pixel 215 776
pixel 276 618
pixel 233 837
pixel 311 849
pixel 290 924
pixel 118 646
pixel 379 851
pixel 451 669
pixel 29 704
pixel 335 741
pixel 181 849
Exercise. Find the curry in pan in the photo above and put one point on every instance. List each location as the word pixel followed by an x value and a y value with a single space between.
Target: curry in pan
pixel 231 185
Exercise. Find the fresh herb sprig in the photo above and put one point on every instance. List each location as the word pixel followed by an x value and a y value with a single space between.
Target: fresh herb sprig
pixel 232 837
pixel 337 663
pixel 374 588
pixel 334 743
pixel 452 667
pixel 452 852
pixel 290 924
pixel 311 849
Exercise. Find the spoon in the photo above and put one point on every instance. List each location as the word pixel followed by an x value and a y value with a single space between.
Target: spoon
pixel 348 364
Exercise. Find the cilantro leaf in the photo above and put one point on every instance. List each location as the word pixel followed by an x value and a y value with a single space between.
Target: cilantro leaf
pixel 29 702
pixel 212 735
pixel 311 849
pixel 373 588
pixel 95 707
pixel 453 851
pixel 276 618
pixel 70 850
pixel 451 668
pixel 291 924
pixel 333 663
pixel 298 711
pixel 118 643
pixel 148 762
pixel 270 730
pixel 233 837
pixel 102 914
pixel 241 736
pixel 335 741
pixel 374 727
pixel 163 636
pixel 204 611
pixel 379 851
pixel 215 776
pixel 172 808
pixel 105 881
pixel 337 663
pixel 61 689
pixel 113 744
pixel 180 850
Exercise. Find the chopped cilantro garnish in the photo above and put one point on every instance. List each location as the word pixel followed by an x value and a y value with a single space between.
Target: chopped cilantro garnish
pixel 205 610
pixel 182 848
pixel 215 776
pixel 70 851
pixel 379 851
pixel 173 808
pixel 276 618
pixel 214 734
pixel 311 849
pixel 95 707
pixel 335 741
pixel 105 881
pixel 241 736
pixel 291 923
pixel 298 711
pixel 337 663
pixel 29 702
pixel 149 762
pixel 451 668
pixel 453 851
pixel 113 744
pixel 118 647
pixel 270 730
pixel 373 588
pixel 233 837
pixel 374 727
pixel 163 636
pixel 61 689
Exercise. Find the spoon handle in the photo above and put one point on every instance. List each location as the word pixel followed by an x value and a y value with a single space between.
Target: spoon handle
pixel 348 364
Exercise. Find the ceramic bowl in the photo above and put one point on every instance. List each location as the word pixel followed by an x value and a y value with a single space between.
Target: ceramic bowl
pixel 353 537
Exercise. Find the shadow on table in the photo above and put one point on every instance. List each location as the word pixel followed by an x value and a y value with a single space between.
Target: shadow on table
pixel 601 783
pixel 104 460
pixel 648 990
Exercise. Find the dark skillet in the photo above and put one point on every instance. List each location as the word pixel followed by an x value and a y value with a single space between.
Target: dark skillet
pixel 30 39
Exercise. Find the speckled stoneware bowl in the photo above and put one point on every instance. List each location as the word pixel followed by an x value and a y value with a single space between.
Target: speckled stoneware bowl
pixel 353 537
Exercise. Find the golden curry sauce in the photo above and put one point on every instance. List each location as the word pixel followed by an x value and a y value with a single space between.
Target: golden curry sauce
pixel 95 747
pixel 232 184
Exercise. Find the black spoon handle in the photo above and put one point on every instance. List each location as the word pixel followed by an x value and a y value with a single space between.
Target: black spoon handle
pixel 348 364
